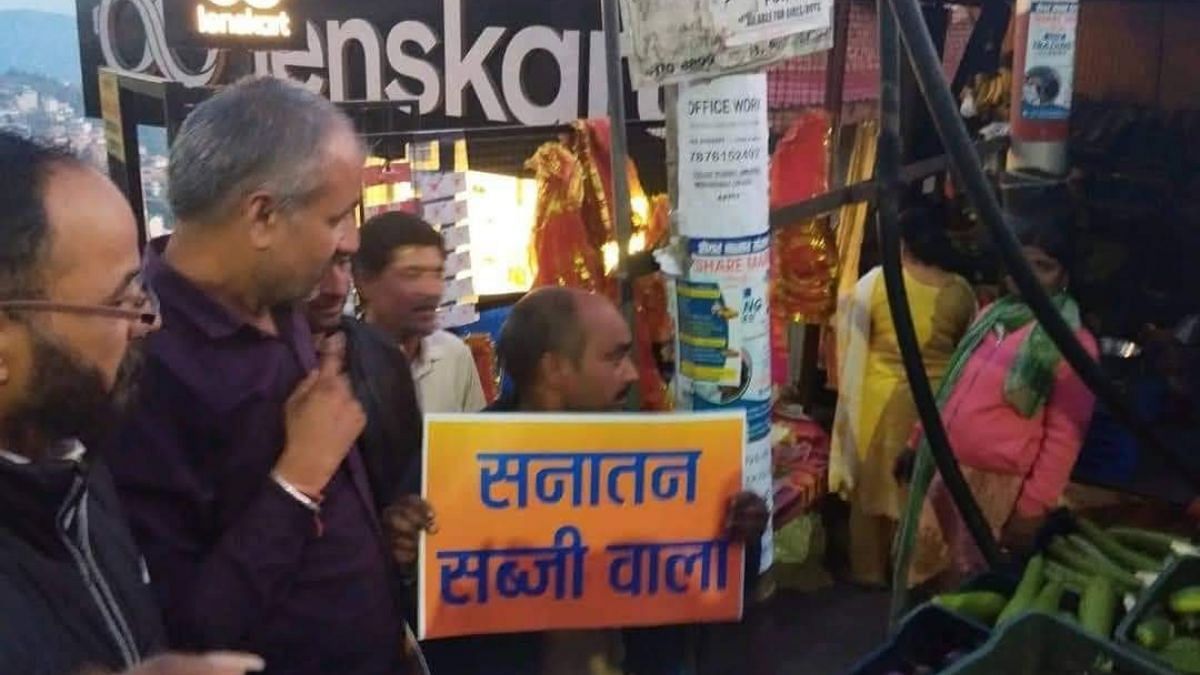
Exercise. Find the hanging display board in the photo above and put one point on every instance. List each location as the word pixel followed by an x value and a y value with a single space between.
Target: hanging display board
pixel 440 181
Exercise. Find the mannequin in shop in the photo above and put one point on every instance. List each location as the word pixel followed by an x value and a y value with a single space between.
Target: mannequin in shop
pixel 73 311
pixel 567 350
pixel 400 272
pixel 240 470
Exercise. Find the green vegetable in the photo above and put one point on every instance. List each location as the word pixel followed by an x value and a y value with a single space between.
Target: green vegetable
pixel 1154 633
pixel 1159 544
pixel 1048 600
pixel 1112 548
pixel 1027 590
pixel 1189 624
pixel 1075 581
pixel 1112 569
pixel 983 606
pixel 1077 560
pixel 1183 654
pixel 1185 600
pixel 1098 607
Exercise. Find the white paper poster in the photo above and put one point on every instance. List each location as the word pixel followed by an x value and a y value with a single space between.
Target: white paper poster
pixel 674 41
pixel 743 22
pixel 1050 61
pixel 723 157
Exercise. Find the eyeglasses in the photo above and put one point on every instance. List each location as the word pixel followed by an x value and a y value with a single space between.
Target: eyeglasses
pixel 142 308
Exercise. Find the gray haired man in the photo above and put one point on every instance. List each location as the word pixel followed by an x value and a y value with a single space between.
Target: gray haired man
pixel 240 475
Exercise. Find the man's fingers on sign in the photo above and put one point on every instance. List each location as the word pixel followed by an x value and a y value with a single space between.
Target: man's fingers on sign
pixel 405 520
pixel 747 517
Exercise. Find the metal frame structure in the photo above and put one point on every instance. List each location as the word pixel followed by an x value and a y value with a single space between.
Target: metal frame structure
pixel 901 23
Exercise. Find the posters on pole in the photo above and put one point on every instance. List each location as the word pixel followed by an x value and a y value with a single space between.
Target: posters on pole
pixel 724 217
pixel 723 157
pixel 674 41
pixel 579 521
pixel 1050 61
pixel 744 22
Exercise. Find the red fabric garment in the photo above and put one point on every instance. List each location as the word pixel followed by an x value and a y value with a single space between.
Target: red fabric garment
pixel 804 255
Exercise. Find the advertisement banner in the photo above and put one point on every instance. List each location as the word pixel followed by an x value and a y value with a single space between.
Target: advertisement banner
pixel 550 522
pixel 748 21
pixel 723 157
pixel 1050 61
pixel 710 339
pixel 676 41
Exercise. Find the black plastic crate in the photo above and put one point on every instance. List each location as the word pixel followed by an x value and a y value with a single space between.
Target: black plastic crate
pixel 926 637
pixel 1040 644
pixel 1182 573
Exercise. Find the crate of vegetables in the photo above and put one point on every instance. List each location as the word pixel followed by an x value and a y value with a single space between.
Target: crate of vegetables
pixel 1165 623
pixel 930 639
pixel 1042 644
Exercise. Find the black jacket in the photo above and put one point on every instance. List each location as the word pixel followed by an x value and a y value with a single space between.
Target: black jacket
pixel 73 588
pixel 391 443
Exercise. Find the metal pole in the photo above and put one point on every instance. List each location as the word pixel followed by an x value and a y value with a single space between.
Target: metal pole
pixel 888 174
pixel 619 147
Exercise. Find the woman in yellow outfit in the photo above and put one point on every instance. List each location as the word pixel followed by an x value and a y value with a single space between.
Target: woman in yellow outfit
pixel 876 412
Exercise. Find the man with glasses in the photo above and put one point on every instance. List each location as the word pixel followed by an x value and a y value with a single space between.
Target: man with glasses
pixel 242 481
pixel 72 309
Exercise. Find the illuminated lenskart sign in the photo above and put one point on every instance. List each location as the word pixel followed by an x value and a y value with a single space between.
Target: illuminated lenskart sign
pixel 235 24
pixel 259 18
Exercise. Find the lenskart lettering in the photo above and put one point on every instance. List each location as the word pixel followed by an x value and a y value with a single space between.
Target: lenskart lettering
pixel 248 22
pixel 441 67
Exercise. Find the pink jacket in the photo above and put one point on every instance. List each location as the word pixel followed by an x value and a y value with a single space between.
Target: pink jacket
pixel 988 434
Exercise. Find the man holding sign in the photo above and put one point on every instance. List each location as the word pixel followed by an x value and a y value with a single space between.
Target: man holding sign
pixel 569 352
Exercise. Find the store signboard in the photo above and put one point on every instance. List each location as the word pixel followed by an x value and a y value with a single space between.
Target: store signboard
pixel 240 24
pixel 553 522
pixel 467 63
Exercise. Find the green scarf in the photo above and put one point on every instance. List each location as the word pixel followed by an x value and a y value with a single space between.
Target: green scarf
pixel 1026 388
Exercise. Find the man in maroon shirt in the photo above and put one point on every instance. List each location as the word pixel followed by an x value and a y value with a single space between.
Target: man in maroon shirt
pixel 239 470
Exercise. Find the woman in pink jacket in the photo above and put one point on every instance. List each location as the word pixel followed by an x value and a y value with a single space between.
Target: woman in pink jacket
pixel 1015 413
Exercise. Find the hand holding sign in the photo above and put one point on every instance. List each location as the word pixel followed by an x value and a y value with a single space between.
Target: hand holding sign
pixel 403 522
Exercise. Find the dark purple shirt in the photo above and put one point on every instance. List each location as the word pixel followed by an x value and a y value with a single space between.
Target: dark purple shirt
pixel 237 562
